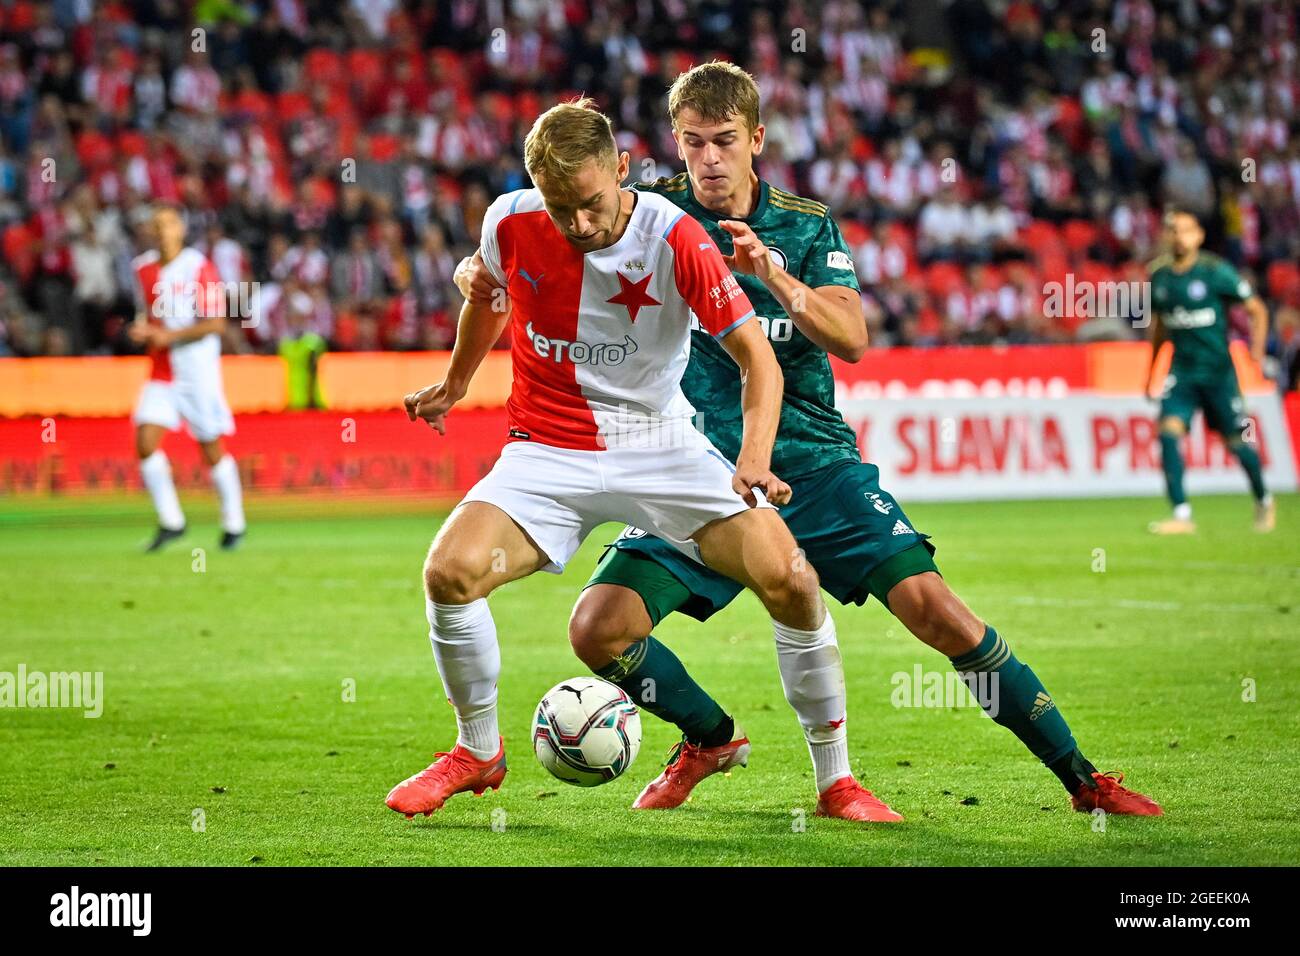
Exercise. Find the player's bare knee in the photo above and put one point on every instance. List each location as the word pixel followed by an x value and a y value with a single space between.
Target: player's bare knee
pixel 599 632
pixel 451 580
pixel 794 599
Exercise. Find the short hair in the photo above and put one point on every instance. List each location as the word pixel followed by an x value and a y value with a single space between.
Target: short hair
pixel 717 91
pixel 565 137
pixel 1174 210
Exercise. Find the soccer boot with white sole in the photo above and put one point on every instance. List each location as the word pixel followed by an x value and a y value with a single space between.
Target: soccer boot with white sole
pixel 452 773
pixel 1105 793
pixel 688 764
pixel 1265 516
pixel 846 799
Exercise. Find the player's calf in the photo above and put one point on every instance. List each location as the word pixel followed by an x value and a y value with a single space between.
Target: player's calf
pixel 935 615
pixel 477 549
pixel 610 632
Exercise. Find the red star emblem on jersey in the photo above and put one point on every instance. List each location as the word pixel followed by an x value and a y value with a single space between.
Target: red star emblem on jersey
pixel 633 295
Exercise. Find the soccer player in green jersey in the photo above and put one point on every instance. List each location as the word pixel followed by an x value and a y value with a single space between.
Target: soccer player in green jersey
pixel 788 255
pixel 1189 292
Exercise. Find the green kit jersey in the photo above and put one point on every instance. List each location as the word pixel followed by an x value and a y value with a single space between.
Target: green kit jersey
pixel 1192 306
pixel 803 238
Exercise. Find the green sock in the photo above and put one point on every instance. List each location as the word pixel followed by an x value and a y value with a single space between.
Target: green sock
pixel 1249 459
pixel 656 680
pixel 1015 698
pixel 1171 459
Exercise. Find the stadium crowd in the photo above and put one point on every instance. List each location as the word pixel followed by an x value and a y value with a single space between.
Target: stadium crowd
pixel 341 154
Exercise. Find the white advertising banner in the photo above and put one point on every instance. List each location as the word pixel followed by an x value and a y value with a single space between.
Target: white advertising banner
pixel 1072 446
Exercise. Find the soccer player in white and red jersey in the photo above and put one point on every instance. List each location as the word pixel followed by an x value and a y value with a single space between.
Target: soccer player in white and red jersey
pixel 182 314
pixel 601 283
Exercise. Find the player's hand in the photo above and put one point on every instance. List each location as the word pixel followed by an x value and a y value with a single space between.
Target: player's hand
pixel 474 281
pixel 749 256
pixel 150 336
pixel 431 404
pixel 746 479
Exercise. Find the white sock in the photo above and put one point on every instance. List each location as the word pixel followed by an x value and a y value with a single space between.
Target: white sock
pixel 1183 512
pixel 464 639
pixel 156 471
pixel 812 675
pixel 225 476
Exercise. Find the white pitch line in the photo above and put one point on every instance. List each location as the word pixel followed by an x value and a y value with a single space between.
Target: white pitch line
pixel 1084 561
pixel 1130 604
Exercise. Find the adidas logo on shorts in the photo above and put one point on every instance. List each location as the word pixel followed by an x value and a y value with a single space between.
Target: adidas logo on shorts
pixel 900 527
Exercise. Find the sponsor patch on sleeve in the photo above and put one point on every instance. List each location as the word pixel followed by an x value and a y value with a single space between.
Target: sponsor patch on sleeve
pixel 838 260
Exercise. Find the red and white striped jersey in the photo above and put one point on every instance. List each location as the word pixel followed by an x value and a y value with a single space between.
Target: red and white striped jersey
pixel 176 295
pixel 600 340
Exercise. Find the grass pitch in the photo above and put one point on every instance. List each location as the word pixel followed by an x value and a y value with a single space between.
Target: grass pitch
pixel 227 738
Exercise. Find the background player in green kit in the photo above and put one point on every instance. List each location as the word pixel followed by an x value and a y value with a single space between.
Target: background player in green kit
pixel 791 260
pixel 1189 289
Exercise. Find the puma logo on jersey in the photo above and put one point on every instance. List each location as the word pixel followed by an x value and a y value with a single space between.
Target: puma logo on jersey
pixel 523 274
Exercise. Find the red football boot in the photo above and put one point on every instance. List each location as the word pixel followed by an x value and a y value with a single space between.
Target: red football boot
pixel 1108 795
pixel 450 774
pixel 846 799
pixel 687 766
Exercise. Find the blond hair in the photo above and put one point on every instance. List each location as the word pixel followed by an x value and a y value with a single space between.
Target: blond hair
pixel 565 137
pixel 717 91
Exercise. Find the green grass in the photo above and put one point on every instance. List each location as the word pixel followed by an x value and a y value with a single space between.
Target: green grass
pixel 224 692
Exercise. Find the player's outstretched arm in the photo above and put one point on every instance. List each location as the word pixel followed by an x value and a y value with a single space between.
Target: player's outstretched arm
pixel 761 387
pixel 1258 328
pixel 830 315
pixel 1156 336
pixel 478 330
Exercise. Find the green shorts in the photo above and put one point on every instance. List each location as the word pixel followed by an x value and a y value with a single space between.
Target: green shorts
pixel 1220 400
pixel 854 534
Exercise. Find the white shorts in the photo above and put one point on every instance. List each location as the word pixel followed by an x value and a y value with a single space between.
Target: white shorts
pixel 204 410
pixel 558 495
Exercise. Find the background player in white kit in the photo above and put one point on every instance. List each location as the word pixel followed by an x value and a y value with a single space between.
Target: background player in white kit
pixel 602 282
pixel 182 315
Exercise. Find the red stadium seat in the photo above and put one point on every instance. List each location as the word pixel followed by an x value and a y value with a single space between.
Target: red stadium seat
pixel 292 105
pixel 131 143
pixel 365 68
pixel 384 147
pixel 322 65
pixel 94 149
pixel 1079 235
pixel 1283 280
pixel 941 278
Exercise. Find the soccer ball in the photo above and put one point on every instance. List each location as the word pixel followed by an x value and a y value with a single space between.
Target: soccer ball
pixel 586 731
